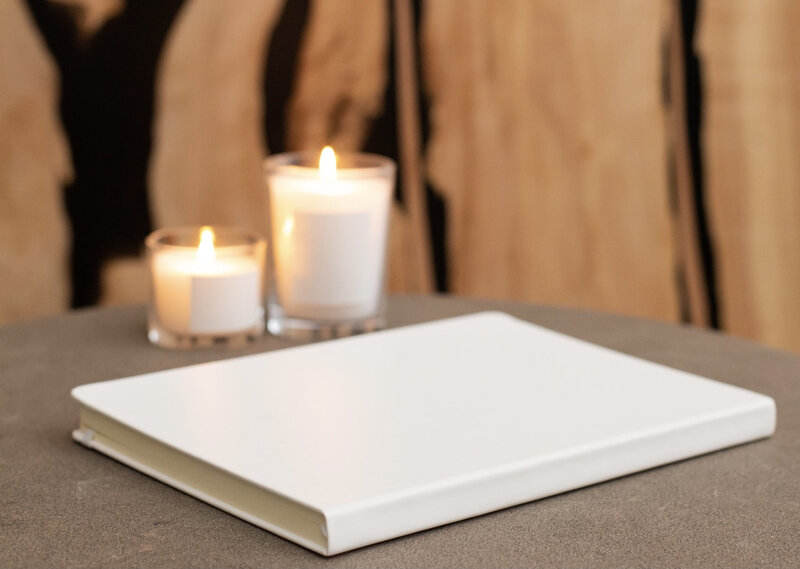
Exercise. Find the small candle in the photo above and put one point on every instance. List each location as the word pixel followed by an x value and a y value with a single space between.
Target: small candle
pixel 206 288
pixel 329 232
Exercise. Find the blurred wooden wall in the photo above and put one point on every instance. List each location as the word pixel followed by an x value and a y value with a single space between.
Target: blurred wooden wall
pixel 549 142
pixel 556 135
pixel 749 50
pixel 34 167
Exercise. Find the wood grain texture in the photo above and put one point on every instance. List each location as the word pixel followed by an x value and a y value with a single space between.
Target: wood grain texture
pixel 91 15
pixel 749 50
pixel 687 229
pixel 209 146
pixel 548 143
pixel 418 256
pixel 341 75
pixel 34 166
pixel 402 271
pixel 124 280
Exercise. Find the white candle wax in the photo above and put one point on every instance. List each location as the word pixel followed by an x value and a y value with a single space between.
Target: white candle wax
pixel 213 297
pixel 329 241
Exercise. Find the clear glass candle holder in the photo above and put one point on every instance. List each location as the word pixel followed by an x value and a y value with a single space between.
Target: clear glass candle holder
pixel 207 286
pixel 327 251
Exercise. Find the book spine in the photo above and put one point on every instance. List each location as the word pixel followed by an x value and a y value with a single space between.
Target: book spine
pixel 486 491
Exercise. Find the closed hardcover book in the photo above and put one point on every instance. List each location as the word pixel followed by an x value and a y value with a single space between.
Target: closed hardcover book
pixel 349 442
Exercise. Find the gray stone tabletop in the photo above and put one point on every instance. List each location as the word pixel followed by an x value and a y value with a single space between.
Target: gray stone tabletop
pixel 62 505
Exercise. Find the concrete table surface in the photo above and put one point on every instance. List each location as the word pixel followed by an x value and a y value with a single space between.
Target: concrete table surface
pixel 62 505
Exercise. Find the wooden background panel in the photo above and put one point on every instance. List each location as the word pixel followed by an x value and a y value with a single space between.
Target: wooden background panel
pixel 91 15
pixel 548 142
pixel 341 77
pixel 205 165
pixel 34 166
pixel 749 51
pixel 417 261
pixel 691 255
pixel 206 160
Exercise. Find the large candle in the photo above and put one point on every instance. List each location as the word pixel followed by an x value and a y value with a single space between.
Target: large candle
pixel 205 289
pixel 329 232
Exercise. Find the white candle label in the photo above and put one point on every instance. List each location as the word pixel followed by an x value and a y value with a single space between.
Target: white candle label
pixel 334 265
pixel 224 303
pixel 227 299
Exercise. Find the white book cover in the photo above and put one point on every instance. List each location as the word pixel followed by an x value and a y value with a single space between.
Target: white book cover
pixel 349 442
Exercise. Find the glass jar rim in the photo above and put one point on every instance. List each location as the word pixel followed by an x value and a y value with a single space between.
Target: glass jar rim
pixel 187 237
pixel 350 165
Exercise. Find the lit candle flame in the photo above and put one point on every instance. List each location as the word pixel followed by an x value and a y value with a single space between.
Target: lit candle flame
pixel 205 250
pixel 327 164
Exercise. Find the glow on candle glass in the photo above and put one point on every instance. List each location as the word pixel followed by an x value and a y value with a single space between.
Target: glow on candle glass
pixel 208 289
pixel 329 231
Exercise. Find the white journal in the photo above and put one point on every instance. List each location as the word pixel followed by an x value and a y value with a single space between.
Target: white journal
pixel 349 442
